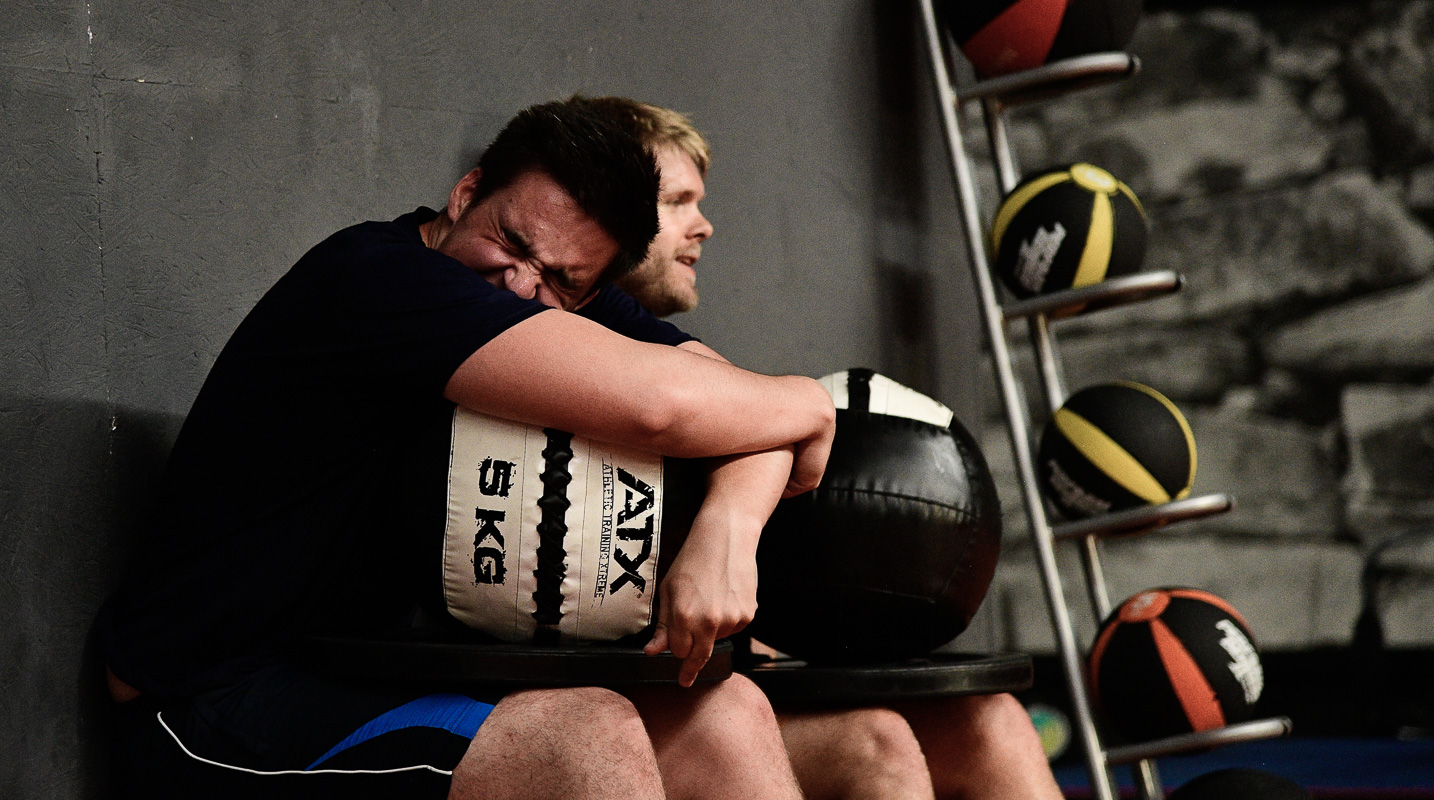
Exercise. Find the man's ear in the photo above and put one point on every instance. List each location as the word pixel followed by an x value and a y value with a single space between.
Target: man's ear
pixel 462 194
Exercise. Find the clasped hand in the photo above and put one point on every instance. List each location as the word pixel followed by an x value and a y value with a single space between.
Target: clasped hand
pixel 708 594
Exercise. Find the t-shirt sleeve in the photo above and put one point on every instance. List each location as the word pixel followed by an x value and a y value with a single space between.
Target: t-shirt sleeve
pixel 616 310
pixel 423 317
pixel 388 318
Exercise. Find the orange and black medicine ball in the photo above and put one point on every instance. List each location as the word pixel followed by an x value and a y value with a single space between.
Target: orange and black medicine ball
pixel 1066 228
pixel 1002 36
pixel 1171 661
pixel 1115 446
pixel 892 554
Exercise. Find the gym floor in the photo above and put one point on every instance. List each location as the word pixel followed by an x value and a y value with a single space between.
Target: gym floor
pixel 1363 726
pixel 1333 768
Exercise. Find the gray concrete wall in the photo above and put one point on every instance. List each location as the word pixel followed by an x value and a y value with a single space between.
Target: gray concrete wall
pixel 163 163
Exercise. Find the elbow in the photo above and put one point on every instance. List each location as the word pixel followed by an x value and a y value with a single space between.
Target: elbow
pixel 663 422
pixel 822 410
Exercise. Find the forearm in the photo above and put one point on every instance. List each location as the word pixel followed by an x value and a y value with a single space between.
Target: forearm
pixel 711 589
pixel 563 371
pixel 742 491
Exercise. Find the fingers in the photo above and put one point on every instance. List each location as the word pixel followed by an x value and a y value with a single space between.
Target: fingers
pixel 680 639
pixel 696 659
pixel 690 639
pixel 695 651
pixel 658 642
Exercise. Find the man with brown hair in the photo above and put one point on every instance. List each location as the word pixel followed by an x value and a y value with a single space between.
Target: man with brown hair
pixel 289 505
pixel 981 747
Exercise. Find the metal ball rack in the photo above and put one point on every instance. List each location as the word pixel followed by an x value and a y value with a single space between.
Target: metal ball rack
pixel 995 97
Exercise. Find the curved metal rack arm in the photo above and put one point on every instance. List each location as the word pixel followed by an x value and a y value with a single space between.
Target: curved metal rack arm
pixel 1146 519
pixel 1053 80
pixel 1106 294
pixel 1184 743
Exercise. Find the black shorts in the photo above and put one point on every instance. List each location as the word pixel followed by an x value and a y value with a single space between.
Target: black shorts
pixel 285 733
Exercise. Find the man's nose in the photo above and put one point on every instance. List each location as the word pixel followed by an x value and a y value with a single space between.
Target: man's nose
pixel 703 229
pixel 521 281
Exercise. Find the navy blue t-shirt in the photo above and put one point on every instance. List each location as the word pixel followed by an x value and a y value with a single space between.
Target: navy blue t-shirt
pixel 290 500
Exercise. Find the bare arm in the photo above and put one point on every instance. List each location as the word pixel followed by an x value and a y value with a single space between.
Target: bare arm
pixel 685 401
pixel 806 462
pixel 564 371
pixel 711 591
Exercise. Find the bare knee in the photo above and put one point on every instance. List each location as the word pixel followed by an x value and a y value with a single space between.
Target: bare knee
pixel 577 703
pixel 859 753
pixel 996 709
pixel 727 721
pixel 981 746
pixel 749 705
pixel 569 714
pixel 717 740
pixel 575 739
pixel 993 717
pixel 880 737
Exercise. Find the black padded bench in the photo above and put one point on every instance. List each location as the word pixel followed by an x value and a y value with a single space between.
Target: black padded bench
pixel 415 658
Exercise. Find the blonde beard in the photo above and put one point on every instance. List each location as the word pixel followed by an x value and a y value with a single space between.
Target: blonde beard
pixel 663 296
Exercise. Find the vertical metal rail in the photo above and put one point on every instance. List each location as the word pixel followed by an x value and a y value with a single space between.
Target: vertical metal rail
pixel 1147 780
pixel 1047 357
pixel 1053 390
pixel 1014 407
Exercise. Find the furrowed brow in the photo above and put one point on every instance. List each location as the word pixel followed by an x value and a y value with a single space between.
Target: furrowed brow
pixel 563 278
pixel 517 241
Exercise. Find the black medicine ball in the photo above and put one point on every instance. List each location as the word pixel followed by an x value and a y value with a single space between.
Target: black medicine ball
pixel 1065 228
pixel 1172 661
pixel 1115 446
pixel 1240 783
pixel 892 554
pixel 1002 36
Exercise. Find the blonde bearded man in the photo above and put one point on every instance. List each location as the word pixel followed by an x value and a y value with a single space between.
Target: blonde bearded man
pixel 973 748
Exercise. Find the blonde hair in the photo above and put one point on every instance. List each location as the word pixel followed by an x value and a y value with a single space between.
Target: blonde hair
pixel 658 127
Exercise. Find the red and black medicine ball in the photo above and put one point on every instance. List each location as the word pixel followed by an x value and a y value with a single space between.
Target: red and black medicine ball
pixel 1001 36
pixel 1172 661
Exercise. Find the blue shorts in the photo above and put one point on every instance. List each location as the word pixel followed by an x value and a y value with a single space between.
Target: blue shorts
pixel 286 733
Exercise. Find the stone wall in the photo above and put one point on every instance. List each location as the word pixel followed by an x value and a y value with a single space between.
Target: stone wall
pixel 1285 158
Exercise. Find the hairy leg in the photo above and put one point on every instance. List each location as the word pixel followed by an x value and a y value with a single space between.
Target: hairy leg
pixel 717 742
pixel 856 754
pixel 981 748
pixel 563 744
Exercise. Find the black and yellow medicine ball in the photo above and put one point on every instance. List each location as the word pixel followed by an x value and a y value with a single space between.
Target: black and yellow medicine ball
pixel 892 554
pixel 1003 36
pixel 1066 228
pixel 1115 446
pixel 1175 660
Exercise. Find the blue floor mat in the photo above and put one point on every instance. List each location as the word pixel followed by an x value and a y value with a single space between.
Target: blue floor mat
pixel 1328 767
